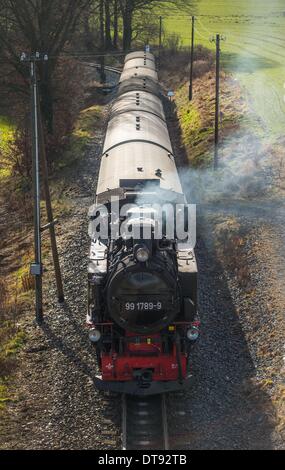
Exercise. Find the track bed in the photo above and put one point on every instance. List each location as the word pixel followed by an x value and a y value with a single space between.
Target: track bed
pixel 144 423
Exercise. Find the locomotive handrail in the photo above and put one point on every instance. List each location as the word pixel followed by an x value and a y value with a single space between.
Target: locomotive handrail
pixel 137 140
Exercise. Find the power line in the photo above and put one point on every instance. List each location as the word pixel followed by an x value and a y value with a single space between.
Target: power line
pixel 79 54
pixel 201 35
pixel 206 29
pixel 98 55
pixel 204 15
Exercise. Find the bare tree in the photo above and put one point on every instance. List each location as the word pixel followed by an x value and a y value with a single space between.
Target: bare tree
pixel 108 37
pixel 115 24
pixel 38 25
pixel 130 7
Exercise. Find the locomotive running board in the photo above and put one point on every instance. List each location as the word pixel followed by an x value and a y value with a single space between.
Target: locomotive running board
pixel 132 388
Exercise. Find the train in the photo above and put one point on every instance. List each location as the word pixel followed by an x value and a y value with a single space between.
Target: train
pixel 142 280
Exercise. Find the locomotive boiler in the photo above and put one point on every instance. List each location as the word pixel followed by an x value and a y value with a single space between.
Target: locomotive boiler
pixel 142 276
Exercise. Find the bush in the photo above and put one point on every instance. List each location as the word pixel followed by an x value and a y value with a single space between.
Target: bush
pixel 172 44
pixel 68 98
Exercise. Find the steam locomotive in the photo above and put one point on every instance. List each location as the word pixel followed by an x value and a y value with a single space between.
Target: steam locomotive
pixel 142 290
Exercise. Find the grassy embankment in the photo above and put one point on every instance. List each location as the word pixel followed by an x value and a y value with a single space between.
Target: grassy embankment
pixel 9 343
pixel 16 284
pixel 197 117
pixel 6 134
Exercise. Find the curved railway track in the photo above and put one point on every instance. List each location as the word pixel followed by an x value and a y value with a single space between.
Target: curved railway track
pixel 106 68
pixel 144 423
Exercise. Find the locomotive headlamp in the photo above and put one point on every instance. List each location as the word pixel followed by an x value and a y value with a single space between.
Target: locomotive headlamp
pixel 142 254
pixel 94 335
pixel 193 334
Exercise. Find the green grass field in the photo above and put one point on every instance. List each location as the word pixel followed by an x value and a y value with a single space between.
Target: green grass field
pixel 254 49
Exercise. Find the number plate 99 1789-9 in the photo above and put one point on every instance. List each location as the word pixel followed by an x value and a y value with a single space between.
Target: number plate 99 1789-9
pixel 143 306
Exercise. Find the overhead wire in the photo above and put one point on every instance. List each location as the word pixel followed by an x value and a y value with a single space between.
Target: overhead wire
pixel 168 17
pixel 204 27
pixel 202 35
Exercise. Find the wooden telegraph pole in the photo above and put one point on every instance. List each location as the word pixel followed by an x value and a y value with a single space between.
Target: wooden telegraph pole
pixel 217 40
pixel 192 59
pixel 51 221
pixel 160 42
pixel 217 108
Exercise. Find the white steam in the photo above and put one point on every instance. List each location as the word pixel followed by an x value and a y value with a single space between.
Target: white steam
pixel 244 171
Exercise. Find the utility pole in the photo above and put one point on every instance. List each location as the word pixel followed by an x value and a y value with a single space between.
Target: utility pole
pixel 51 221
pixel 217 109
pixel 38 148
pixel 192 59
pixel 217 40
pixel 36 267
pixel 160 42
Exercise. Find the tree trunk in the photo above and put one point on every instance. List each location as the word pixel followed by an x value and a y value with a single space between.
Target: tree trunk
pixel 108 38
pixel 128 30
pixel 46 96
pixel 102 42
pixel 115 37
pixel 88 38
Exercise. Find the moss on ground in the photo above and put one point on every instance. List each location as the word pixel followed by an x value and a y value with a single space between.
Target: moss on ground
pixel 11 343
pixel 14 342
pixel 84 130
pixel 4 394
pixel 197 135
pixel 197 117
pixel 6 131
pixel 6 136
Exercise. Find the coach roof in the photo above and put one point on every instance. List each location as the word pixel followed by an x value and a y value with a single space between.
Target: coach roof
pixel 142 71
pixel 139 54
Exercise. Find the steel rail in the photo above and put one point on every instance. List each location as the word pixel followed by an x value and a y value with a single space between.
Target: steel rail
pixel 144 423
